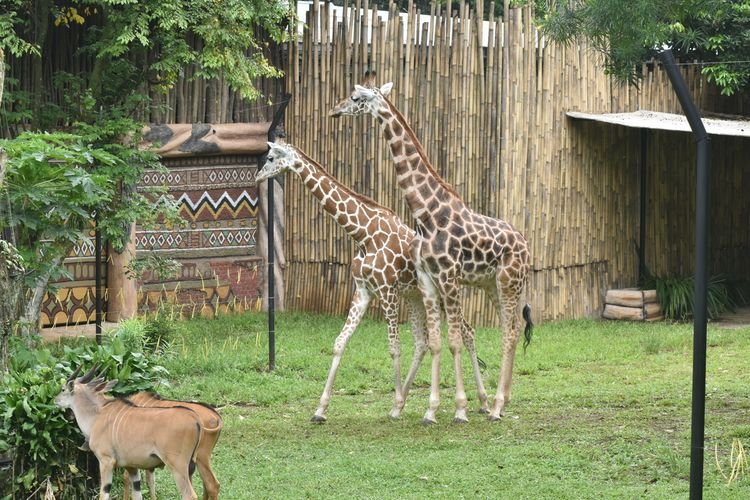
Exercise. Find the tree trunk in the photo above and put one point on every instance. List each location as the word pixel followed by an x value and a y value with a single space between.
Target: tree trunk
pixel 2 85
pixel 39 25
pixel 10 289
pixel 123 291
pixel 30 319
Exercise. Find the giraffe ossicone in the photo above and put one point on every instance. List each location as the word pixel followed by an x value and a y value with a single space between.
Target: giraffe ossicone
pixel 454 246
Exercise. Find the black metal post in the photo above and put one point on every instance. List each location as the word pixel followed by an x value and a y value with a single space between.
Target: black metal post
pixel 271 274
pixel 98 277
pixel 703 175
pixel 270 237
pixel 643 203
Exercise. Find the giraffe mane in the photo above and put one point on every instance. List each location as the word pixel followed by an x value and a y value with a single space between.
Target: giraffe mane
pixel 420 148
pixel 364 199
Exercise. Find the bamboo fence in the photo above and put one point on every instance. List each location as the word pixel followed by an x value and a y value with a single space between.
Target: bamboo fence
pixel 492 119
pixel 490 111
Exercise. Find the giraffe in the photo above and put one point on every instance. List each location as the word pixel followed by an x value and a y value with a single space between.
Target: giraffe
pixel 381 268
pixel 454 246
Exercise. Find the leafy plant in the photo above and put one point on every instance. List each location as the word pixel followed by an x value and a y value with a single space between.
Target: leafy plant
pixel 677 296
pixel 42 441
pixel 57 183
pixel 152 334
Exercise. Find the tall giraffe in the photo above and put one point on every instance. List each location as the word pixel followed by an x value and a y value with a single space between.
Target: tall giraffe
pixel 381 268
pixel 454 246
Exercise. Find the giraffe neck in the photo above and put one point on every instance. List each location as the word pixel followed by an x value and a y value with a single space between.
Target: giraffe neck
pixel 350 210
pixel 418 180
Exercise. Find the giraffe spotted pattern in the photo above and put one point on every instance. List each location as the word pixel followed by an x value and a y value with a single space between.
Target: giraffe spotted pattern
pixel 454 246
pixel 382 267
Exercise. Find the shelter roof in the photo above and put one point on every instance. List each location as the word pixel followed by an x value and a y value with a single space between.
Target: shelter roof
pixel 655 120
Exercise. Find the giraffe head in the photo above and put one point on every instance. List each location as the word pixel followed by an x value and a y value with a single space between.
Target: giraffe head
pixel 365 99
pixel 280 159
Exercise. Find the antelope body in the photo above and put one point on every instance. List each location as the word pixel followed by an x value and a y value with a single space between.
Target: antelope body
pixel 124 435
pixel 211 424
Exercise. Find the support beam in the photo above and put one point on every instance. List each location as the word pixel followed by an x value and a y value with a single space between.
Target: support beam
pixel 703 175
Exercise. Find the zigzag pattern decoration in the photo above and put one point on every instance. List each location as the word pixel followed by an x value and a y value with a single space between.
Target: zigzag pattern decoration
pixel 206 203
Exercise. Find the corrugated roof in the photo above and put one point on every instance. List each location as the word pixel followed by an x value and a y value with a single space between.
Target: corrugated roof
pixel 667 121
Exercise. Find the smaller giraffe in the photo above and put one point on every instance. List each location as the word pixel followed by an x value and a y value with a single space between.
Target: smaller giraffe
pixel 382 267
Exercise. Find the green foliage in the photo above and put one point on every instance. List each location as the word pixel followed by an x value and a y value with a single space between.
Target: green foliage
pixel 629 32
pixel 229 44
pixel 41 438
pixel 11 20
pixel 42 441
pixel 677 296
pixel 51 189
pixel 720 33
pixel 56 182
pixel 152 334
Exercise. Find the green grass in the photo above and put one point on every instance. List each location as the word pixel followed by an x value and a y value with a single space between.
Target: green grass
pixel 599 410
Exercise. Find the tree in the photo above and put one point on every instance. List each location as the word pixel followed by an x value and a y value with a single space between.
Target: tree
pixel 11 263
pixel 629 32
pixel 54 181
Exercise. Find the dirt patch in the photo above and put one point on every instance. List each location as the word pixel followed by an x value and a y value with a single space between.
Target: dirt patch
pixel 55 334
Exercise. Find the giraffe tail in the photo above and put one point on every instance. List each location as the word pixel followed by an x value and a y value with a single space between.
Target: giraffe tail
pixel 529 327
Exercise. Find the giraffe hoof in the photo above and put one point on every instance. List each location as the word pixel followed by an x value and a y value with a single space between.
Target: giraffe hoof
pixel 484 411
pixel 318 419
pixel 458 420
pixel 427 422
pixel 494 418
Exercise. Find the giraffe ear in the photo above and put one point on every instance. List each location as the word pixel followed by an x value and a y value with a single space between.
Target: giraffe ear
pixel 360 88
pixel 386 89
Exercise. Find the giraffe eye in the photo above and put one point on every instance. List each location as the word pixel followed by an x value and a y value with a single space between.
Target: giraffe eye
pixel 355 98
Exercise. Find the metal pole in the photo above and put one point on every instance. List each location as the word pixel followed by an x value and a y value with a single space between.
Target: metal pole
pixel 271 250
pixel 643 204
pixel 703 175
pixel 271 275
pixel 98 277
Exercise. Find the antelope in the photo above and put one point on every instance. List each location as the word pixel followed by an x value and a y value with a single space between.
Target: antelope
pixel 122 434
pixel 211 423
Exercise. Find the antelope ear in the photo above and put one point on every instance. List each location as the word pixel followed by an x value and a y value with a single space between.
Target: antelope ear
pixel 386 89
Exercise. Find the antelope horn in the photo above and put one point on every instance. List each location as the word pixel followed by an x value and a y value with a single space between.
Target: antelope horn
pixel 74 374
pixel 89 375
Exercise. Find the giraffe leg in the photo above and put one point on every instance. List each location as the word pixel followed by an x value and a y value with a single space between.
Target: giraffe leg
pixel 511 322
pixel 431 301
pixel 360 301
pixel 454 317
pixel 417 317
pixel 389 303
pixel 467 333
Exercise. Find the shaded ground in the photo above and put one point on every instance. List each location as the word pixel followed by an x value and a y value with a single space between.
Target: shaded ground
pixel 738 319
pixel 54 334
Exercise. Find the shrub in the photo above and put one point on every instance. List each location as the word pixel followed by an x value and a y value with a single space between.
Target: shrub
pixel 40 438
pixel 677 296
